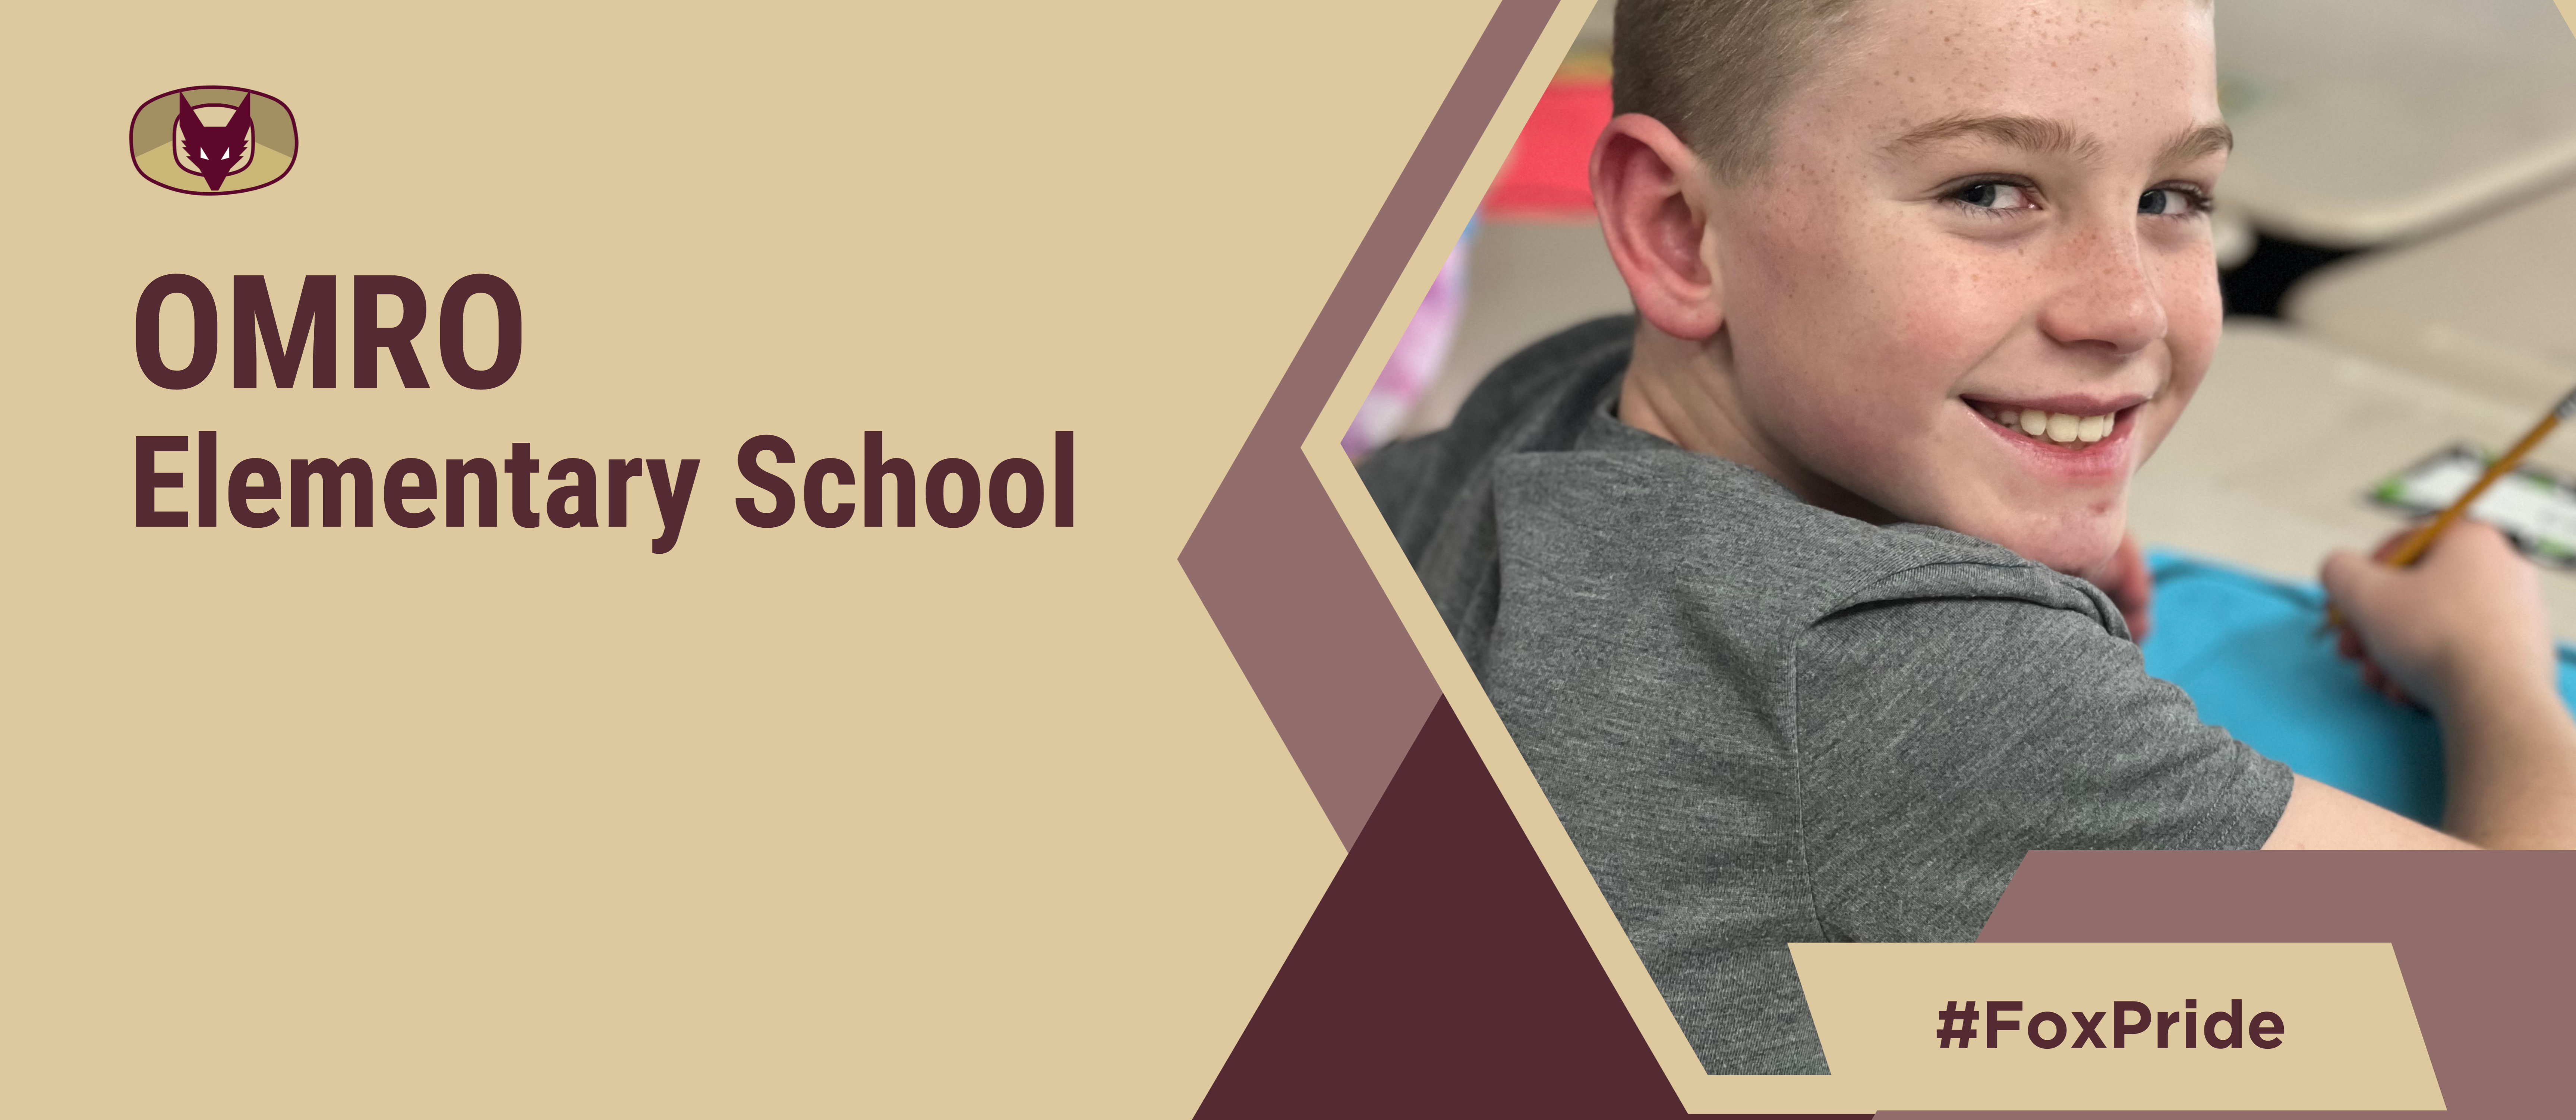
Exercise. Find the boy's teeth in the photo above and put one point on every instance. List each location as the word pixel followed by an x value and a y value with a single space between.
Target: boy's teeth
pixel 2056 427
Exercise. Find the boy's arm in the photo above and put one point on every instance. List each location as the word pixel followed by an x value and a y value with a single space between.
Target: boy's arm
pixel 2323 817
pixel 2465 631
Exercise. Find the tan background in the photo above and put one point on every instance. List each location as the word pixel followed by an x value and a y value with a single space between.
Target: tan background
pixel 386 822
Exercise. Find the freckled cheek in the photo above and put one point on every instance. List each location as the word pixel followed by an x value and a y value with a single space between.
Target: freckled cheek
pixel 1942 317
pixel 1865 326
pixel 2194 311
pixel 2194 319
pixel 2190 365
pixel 1898 352
pixel 1780 260
pixel 2158 418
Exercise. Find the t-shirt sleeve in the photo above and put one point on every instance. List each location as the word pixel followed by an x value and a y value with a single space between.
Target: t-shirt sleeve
pixel 1940 739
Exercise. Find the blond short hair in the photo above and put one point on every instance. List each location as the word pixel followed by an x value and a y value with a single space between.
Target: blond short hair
pixel 1717 71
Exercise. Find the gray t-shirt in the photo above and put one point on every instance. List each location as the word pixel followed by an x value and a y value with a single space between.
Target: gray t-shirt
pixel 1763 722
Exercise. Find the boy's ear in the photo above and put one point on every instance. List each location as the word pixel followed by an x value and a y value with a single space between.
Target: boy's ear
pixel 1652 193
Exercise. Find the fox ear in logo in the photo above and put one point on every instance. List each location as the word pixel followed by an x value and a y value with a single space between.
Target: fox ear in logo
pixel 213 151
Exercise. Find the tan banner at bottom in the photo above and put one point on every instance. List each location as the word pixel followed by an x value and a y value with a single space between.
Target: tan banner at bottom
pixel 2118 1026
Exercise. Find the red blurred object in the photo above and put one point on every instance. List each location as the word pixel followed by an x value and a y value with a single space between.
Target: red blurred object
pixel 1548 175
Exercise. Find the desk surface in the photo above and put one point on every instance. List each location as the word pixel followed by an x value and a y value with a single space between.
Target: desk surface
pixel 2269 466
pixel 2360 122
pixel 2485 307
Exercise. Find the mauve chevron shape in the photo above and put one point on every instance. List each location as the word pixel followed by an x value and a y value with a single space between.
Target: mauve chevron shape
pixel 1271 559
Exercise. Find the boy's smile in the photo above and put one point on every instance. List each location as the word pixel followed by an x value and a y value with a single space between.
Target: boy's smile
pixel 1974 285
pixel 2065 436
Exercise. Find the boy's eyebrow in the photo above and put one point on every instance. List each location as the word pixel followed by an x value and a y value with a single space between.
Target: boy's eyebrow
pixel 2036 134
pixel 2198 142
pixel 2048 137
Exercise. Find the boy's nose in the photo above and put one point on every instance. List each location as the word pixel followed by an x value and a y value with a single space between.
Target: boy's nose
pixel 2107 299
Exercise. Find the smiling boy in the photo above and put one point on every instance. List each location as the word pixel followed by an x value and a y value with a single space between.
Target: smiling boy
pixel 1777 585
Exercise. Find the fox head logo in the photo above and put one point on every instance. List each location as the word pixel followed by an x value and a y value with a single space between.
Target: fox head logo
pixel 213 140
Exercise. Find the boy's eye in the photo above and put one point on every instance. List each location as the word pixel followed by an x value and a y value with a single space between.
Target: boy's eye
pixel 2169 200
pixel 1993 196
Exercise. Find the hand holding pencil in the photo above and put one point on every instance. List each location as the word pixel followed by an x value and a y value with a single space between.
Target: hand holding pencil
pixel 2422 635
pixel 2413 546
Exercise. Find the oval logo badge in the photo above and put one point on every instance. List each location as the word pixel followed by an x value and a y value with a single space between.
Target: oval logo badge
pixel 214 140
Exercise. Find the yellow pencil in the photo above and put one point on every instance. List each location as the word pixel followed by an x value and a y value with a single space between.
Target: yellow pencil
pixel 2412 549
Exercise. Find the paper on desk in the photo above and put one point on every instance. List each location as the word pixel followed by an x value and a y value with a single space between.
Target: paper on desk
pixel 2534 506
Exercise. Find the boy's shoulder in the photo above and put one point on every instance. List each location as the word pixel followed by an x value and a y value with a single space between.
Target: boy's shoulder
pixel 1762 722
pixel 1534 400
pixel 1657 522
pixel 1538 486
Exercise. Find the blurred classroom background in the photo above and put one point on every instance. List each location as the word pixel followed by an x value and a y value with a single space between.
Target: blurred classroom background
pixel 2397 244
